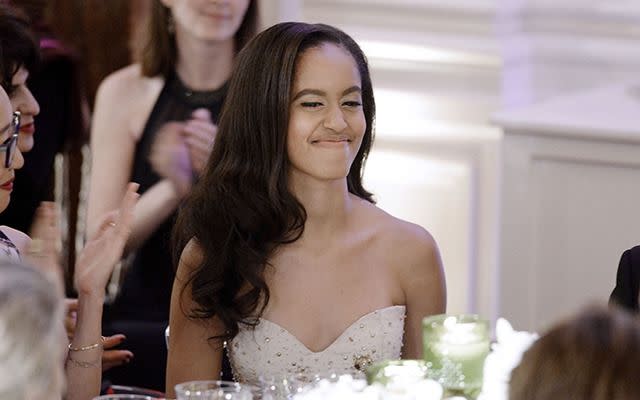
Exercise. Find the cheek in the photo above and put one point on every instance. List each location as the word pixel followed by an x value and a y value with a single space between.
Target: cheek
pixel 358 123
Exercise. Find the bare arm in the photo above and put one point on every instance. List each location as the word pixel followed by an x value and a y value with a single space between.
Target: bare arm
pixel 422 281
pixel 192 356
pixel 94 266
pixel 122 98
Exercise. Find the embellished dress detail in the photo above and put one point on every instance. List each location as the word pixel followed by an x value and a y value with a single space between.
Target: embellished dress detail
pixel 8 250
pixel 269 350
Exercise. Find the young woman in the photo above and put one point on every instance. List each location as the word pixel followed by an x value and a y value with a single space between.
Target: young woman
pixel 154 123
pixel 284 254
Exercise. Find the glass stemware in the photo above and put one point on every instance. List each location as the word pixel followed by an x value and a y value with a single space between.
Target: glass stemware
pixel 213 390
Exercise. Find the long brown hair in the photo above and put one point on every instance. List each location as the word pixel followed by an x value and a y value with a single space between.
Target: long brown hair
pixel 594 356
pixel 157 48
pixel 242 209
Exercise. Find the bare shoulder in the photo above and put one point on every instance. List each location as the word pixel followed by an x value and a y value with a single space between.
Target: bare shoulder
pixel 413 257
pixel 190 259
pixel 402 238
pixel 126 88
pixel 125 80
pixel 125 99
pixel 19 239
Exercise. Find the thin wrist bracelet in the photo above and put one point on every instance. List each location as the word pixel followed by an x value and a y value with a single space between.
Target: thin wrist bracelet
pixel 89 347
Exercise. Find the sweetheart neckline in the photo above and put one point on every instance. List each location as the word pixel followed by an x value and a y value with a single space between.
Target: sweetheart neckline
pixel 295 338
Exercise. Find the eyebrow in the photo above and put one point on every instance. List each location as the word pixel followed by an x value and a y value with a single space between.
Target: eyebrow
pixel 317 92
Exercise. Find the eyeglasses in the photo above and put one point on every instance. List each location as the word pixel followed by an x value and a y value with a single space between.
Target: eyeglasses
pixel 9 145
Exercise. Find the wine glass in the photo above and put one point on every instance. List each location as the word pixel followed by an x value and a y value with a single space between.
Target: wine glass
pixel 213 390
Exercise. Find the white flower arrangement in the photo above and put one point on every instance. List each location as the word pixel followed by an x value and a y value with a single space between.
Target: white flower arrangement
pixel 505 355
pixel 347 388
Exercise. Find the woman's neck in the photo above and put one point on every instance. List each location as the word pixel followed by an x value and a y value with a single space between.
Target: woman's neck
pixel 203 65
pixel 327 204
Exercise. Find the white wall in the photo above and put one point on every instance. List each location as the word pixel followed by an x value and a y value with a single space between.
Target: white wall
pixel 441 69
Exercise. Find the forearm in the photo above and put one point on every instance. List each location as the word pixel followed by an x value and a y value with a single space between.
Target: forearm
pixel 84 364
pixel 153 208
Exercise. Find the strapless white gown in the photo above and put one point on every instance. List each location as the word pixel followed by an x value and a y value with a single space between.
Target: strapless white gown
pixel 269 350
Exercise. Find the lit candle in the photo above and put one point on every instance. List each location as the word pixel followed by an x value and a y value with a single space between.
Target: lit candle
pixel 455 347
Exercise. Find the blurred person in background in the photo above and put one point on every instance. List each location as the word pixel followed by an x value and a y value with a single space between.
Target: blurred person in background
pixel 49 97
pixel 154 123
pixel 19 56
pixel 592 356
pixel 627 289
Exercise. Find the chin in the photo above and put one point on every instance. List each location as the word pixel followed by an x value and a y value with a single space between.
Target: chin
pixel 25 144
pixel 4 201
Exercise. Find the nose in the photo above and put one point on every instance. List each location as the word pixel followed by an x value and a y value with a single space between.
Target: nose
pixel 18 160
pixel 27 104
pixel 335 120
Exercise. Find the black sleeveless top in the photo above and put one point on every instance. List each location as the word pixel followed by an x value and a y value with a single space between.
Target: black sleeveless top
pixel 146 290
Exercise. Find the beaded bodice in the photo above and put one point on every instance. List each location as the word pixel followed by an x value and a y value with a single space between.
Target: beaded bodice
pixel 270 350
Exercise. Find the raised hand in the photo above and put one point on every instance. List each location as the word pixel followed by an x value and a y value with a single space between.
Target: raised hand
pixel 101 253
pixel 170 157
pixel 43 251
pixel 200 134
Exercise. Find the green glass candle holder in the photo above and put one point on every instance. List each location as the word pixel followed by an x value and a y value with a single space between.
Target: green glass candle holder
pixel 455 347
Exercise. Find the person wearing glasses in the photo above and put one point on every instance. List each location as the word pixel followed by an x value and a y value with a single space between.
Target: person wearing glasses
pixel 10 239
pixel 27 212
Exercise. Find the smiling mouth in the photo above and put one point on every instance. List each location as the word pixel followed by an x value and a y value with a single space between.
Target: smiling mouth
pixel 336 140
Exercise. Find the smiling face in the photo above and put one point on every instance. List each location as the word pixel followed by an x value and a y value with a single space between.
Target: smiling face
pixel 215 20
pixel 326 119
pixel 22 100
pixel 6 131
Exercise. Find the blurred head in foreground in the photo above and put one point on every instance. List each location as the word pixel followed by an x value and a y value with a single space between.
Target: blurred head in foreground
pixel 593 356
pixel 32 338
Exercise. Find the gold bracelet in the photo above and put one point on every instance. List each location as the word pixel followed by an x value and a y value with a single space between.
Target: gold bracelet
pixel 84 364
pixel 89 347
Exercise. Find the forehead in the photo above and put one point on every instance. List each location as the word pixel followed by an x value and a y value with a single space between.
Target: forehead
pixel 325 66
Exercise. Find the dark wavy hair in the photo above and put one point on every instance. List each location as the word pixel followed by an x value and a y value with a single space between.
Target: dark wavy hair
pixel 242 208
pixel 156 49
pixel 18 46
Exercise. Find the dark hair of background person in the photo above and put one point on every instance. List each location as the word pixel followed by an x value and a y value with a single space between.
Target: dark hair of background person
pixel 54 81
pixel 156 49
pixel 242 208
pixel 18 46
pixel 594 356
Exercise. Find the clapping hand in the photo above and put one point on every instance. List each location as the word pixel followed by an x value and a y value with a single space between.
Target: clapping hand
pixel 170 157
pixel 43 251
pixel 101 253
pixel 200 134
